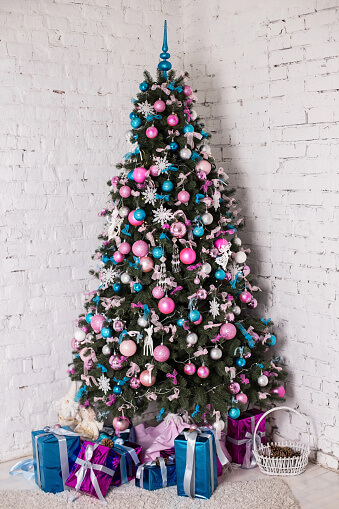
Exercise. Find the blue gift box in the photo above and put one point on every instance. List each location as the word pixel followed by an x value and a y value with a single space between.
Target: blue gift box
pixel 151 476
pixel 128 434
pixel 196 462
pixel 54 454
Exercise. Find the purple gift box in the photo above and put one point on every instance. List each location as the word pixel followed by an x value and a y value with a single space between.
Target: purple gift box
pixel 240 437
pixel 90 473
pixel 129 454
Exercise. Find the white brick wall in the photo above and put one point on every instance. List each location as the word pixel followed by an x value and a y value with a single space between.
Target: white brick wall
pixel 267 74
pixel 67 73
pixel 267 80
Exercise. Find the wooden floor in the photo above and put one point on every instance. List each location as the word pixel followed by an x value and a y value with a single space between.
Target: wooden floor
pixel 317 488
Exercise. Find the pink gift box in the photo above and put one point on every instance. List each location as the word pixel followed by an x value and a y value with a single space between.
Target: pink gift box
pixel 92 461
pixel 240 437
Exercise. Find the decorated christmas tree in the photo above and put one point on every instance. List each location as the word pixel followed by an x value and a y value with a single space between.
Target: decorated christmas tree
pixel 172 317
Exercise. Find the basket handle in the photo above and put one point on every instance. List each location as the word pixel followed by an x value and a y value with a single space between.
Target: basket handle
pixel 273 410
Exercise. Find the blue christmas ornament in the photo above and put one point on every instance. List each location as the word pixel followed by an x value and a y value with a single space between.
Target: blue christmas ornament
pixel 164 66
pixel 220 274
pixel 271 341
pixel 130 175
pixel 240 362
pixel 157 252
pixel 143 86
pixel 194 315
pixel 105 258
pixel 233 412
pixel 117 287
pixel 173 146
pixel 137 287
pixel 133 115
pixel 180 322
pixel 198 231
pixel 117 389
pixel 139 214
pixel 188 128
pixel 167 186
pixel 89 317
pixel 136 122
pixel 106 332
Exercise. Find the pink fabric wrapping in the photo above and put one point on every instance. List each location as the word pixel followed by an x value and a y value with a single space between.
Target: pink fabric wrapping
pixel 156 439
pixel 225 451
pixel 100 457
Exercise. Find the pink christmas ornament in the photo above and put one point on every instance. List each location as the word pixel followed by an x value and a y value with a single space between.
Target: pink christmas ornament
pixel 198 322
pixel 158 292
pixel 56 426
pixel 178 229
pixel 89 364
pixel 120 424
pixel 124 248
pixel 125 191
pixel 75 344
pixel 118 256
pixel 230 317
pixel 128 348
pixel 166 305
pixel 228 276
pixel 278 391
pixel 246 270
pixel 220 242
pixel 97 322
pixel 172 120
pixel 139 174
pixel 228 331
pixel 161 353
pixel 193 426
pixel 146 379
pixel 115 362
pixel 184 196
pixel 252 303
pixel 234 388
pixel 154 171
pixel 188 256
pixel 115 180
pixel 159 106
pixel 204 166
pixel 202 293
pixel 189 368
pixel 187 90
pixel 201 175
pixel 85 329
pixel 196 281
pixel 203 372
pixel 146 263
pixel 245 297
pixel 140 248
pixel 151 132
pixel 134 383
pixel 242 398
pixel 118 326
pixel 132 220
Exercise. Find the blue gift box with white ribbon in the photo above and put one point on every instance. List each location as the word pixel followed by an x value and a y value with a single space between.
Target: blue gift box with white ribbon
pixel 54 453
pixel 196 463
pixel 155 475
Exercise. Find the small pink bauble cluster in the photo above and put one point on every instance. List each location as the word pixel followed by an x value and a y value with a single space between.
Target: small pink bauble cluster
pixel 125 248
pixel 245 297
pixel 228 331
pixel 184 196
pixel 166 305
pixel 158 292
pixel 172 120
pixel 97 322
pixel 139 174
pixel 159 106
pixel 146 378
pixel 161 353
pixel 132 220
pixel 140 248
pixel 125 191
pixel 128 347
pixel 203 166
pixel 187 255
pixel 151 132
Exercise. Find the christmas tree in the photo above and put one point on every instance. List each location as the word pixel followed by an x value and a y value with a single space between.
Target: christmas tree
pixel 172 318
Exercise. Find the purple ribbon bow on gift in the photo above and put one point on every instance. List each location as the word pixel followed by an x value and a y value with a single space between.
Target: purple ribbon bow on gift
pixel 249 459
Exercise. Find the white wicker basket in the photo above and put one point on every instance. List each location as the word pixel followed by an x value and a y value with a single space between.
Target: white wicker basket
pixel 281 466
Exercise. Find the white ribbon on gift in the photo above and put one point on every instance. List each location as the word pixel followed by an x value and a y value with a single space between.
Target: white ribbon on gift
pixel 163 470
pixel 87 465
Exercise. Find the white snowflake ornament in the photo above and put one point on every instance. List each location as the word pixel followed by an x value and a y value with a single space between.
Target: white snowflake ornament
pixel 162 215
pixel 149 194
pixel 107 276
pixel 146 109
pixel 114 224
pixel 161 163
pixel 223 259
pixel 104 384
pixel 214 307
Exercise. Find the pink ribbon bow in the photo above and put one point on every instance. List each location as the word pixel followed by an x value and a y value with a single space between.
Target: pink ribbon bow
pixel 139 305
pixel 243 379
pixel 85 358
pixel 177 289
pixel 151 396
pixel 173 100
pixel 112 302
pixel 133 368
pixel 88 380
pixel 162 87
pixel 190 138
pixel 150 238
pixel 231 371
pixel 278 368
pixel 210 325
pixel 111 399
pixel 200 351
pixel 174 376
pixel 217 337
pixel 194 267
pixel 206 185
pixel 263 395
pixel 173 133
pixel 175 395
pixel 188 113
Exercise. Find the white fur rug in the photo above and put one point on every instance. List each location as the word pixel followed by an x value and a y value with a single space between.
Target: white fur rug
pixel 260 494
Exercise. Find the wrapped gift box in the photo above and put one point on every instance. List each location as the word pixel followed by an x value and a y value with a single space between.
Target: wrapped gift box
pixel 154 475
pixel 93 470
pixel 54 452
pixel 130 454
pixel 240 437
pixel 128 434
pixel 196 463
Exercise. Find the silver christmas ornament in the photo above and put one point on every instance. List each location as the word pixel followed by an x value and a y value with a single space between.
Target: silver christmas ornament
pixel 185 153
pixel 80 335
pixel 90 337
pixel 207 218
pixel 124 211
pixel 206 148
pixel 206 267
pixel 215 353
pixel 237 241
pixel 236 310
pixel 191 338
pixel 262 380
pixel 125 278
pixel 106 350
pixel 194 115
pixel 239 257
pixel 142 322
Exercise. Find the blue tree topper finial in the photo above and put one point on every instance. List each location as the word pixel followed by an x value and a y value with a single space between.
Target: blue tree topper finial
pixel 164 66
